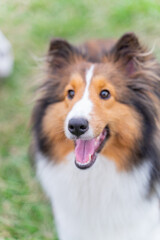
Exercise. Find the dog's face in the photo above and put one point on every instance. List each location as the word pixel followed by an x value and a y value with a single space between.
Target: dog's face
pixel 95 108
pixel 96 119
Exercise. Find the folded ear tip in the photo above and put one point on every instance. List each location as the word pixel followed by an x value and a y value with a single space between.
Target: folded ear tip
pixel 61 53
pixel 52 44
pixel 125 51
pixel 130 36
pixel 127 43
pixel 56 43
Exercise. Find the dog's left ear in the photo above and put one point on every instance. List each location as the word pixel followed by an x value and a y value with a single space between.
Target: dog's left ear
pixel 129 54
pixel 61 54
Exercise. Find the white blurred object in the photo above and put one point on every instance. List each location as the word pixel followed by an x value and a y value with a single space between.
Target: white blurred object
pixel 6 57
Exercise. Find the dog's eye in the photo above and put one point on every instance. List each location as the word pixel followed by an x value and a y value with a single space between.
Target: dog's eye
pixel 71 94
pixel 105 94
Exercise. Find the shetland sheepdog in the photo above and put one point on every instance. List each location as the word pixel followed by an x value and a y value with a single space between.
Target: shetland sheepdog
pixel 96 139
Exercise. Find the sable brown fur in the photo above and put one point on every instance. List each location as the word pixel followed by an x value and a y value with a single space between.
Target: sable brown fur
pixel 131 62
pixel 60 55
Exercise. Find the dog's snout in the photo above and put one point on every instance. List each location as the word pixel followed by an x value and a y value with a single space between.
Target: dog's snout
pixel 78 126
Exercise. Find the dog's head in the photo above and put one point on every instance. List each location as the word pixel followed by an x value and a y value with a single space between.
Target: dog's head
pixel 107 107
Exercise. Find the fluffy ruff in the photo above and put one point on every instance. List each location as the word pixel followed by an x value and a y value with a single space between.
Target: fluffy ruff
pixel 99 107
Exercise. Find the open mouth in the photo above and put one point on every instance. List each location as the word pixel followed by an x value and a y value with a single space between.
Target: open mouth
pixel 86 150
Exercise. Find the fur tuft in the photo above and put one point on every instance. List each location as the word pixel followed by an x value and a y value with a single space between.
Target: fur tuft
pixel 114 88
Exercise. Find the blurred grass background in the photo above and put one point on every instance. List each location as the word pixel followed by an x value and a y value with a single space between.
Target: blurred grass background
pixel 29 24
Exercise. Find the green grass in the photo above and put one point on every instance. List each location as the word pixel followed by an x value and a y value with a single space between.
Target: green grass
pixel 29 24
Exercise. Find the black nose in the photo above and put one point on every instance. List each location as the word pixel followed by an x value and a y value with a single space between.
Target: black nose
pixel 78 126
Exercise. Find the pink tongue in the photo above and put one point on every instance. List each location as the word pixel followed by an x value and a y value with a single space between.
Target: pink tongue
pixel 83 149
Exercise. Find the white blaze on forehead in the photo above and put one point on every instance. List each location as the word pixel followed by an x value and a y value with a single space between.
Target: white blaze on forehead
pixel 84 106
pixel 88 81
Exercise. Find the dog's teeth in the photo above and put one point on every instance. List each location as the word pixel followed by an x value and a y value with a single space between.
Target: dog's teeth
pixel 85 163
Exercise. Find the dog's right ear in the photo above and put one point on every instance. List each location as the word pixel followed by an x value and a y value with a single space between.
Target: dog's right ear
pixel 61 53
pixel 129 54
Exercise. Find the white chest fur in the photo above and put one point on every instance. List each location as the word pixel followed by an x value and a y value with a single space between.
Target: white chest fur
pixel 100 203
